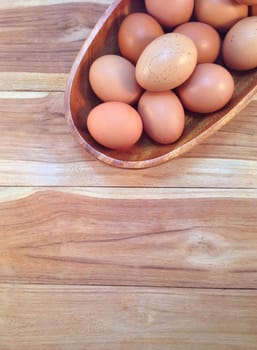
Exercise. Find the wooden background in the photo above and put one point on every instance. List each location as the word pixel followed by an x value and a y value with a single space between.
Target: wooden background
pixel 98 258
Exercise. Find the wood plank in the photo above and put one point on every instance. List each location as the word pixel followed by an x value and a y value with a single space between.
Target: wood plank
pixel 37 149
pixel 21 81
pixel 16 4
pixel 141 230
pixel 165 237
pixel 44 38
pixel 107 318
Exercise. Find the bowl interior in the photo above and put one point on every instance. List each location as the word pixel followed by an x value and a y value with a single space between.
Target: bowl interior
pixel 81 99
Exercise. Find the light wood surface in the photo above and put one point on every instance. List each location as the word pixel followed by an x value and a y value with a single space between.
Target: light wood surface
pixel 129 318
pixel 93 257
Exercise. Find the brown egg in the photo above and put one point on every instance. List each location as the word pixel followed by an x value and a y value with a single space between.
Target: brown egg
pixel 112 78
pixel 163 116
pixel 115 125
pixel 254 10
pixel 220 14
pixel 206 39
pixel 240 45
pixel 170 13
pixel 247 2
pixel 208 89
pixel 135 33
pixel 166 62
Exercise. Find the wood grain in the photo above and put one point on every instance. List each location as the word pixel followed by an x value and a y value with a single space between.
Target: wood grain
pixel 68 221
pixel 44 38
pixel 22 81
pixel 37 149
pixel 17 4
pixel 58 317
pixel 109 237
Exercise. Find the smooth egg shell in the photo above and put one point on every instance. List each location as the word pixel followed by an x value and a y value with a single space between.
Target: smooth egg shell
pixel 220 14
pixel 247 2
pixel 240 45
pixel 205 37
pixel 170 13
pixel 136 31
pixel 163 116
pixel 166 62
pixel 209 88
pixel 254 10
pixel 115 125
pixel 112 78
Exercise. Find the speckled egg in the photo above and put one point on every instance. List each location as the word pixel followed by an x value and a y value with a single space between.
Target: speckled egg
pixel 166 62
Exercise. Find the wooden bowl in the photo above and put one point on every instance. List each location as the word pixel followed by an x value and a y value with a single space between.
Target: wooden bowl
pixel 80 99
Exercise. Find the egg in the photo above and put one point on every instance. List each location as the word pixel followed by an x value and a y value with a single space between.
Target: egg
pixel 240 45
pixel 136 31
pixel 209 88
pixel 170 13
pixel 166 62
pixel 112 78
pixel 163 116
pixel 220 14
pixel 205 37
pixel 254 10
pixel 247 2
pixel 115 125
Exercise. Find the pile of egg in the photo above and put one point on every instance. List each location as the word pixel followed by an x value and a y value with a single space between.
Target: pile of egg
pixel 174 57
